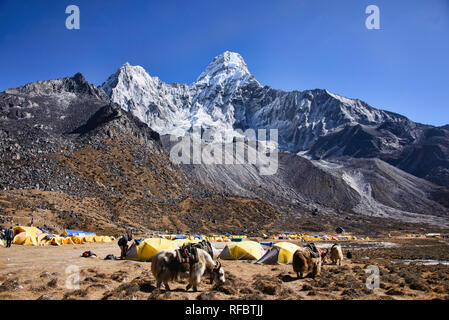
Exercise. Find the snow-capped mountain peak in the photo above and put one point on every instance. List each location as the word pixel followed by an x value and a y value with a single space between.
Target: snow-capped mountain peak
pixel 227 64
pixel 174 109
pixel 132 88
pixel 226 97
pixel 226 75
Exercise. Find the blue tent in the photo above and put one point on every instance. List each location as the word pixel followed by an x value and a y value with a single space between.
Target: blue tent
pixel 180 236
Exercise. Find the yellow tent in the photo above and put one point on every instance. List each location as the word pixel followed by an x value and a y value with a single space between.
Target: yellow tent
pixel 145 250
pixel 26 235
pixel 32 231
pixel 280 253
pixel 107 239
pixel 24 238
pixel 77 239
pixel 245 250
pixel 98 238
pixel 88 238
pixel 67 240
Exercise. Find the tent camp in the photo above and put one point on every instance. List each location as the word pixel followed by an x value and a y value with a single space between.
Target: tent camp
pixel 88 238
pixel 32 231
pixel 35 237
pixel 280 253
pixel 245 250
pixel 24 238
pixel 146 249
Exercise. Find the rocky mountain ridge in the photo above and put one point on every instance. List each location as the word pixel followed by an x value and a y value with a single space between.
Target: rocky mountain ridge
pixel 226 97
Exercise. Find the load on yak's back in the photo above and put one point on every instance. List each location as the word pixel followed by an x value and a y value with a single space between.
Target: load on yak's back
pixel 190 261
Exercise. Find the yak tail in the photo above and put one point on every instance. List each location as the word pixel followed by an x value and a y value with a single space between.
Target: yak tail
pixel 154 266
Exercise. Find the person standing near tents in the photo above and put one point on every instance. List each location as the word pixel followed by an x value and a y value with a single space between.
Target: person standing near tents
pixel 123 244
pixel 9 235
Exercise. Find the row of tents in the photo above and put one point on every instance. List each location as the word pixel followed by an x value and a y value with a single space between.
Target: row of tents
pixel 315 237
pixel 279 253
pixel 281 236
pixel 33 236
pixel 145 249
pixel 216 238
pixel 427 235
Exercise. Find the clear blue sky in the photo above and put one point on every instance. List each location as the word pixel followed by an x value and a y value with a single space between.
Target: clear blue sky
pixel 404 67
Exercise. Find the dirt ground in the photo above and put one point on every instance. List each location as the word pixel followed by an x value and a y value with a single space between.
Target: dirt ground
pixel 43 273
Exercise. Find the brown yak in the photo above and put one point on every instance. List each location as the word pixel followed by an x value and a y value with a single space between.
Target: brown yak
pixel 307 260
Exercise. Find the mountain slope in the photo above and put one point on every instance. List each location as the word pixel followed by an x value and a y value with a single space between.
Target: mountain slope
pixel 101 169
pixel 426 157
pixel 364 187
